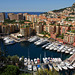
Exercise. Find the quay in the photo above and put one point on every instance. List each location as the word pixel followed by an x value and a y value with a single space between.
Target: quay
pixel 71 59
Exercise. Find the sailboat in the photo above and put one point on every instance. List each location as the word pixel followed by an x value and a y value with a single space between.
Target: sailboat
pixel 29 62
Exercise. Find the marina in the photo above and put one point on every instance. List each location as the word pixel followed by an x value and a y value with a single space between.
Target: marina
pixel 41 52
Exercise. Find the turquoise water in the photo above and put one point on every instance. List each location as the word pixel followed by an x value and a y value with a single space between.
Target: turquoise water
pixel 30 49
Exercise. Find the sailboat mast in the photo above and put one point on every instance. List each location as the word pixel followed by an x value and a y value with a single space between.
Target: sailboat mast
pixel 40 58
pixel 28 52
pixel 44 54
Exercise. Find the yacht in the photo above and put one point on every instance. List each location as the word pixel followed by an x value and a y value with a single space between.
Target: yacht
pixel 39 66
pixel 6 38
pixel 29 62
pixel 45 45
pixel 60 48
pixel 51 48
pixel 35 61
pixel 25 61
pixel 63 50
pixel 45 60
pixel 48 46
pixel 30 67
pixel 34 68
pixel 38 41
pixel 70 67
pixel 34 39
pixel 63 66
pixel 20 59
pixel 72 52
pixel 59 67
pixel 30 38
pixel 9 41
pixel 32 63
pixel 56 48
pixel 55 67
pixel 42 42
pixel 66 51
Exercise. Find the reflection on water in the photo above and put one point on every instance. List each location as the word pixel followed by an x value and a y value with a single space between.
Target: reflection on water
pixel 24 44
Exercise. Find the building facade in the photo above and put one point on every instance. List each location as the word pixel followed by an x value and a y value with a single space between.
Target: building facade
pixel 2 17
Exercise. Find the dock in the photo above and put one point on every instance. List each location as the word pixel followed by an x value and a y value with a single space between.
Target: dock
pixel 71 59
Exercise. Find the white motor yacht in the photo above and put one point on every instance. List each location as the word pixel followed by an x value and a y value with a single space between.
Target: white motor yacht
pixel 34 39
pixel 55 67
pixel 66 51
pixel 29 62
pixel 35 61
pixel 60 48
pixel 48 46
pixel 34 68
pixel 45 45
pixel 30 67
pixel 59 67
pixel 63 50
pixel 9 41
pixel 63 66
pixel 6 38
pixel 25 61
pixel 38 41
pixel 69 65
pixel 51 47
pixel 56 48
pixel 72 52
pixel 42 42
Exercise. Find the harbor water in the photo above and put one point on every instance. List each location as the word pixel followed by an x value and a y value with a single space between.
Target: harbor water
pixel 27 49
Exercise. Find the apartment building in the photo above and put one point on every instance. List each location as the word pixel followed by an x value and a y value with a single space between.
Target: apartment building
pixel 19 16
pixel 9 28
pixel 24 16
pixel 2 17
pixel 12 16
pixel 52 29
pixel 64 29
pixel 25 30
pixel 39 29
pixel 69 38
pixel 57 29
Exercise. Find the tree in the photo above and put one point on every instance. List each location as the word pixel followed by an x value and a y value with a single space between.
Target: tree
pixel 47 72
pixel 21 22
pixel 21 63
pixel 11 70
pixel 25 74
pixel 15 59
